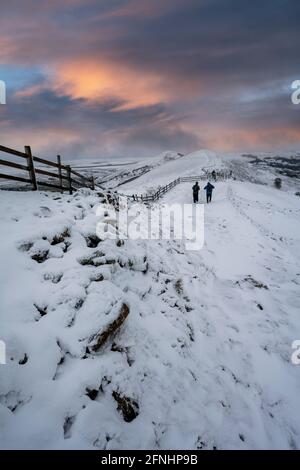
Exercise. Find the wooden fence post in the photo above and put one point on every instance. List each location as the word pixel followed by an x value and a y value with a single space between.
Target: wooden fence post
pixel 30 165
pixel 93 182
pixel 60 174
pixel 69 179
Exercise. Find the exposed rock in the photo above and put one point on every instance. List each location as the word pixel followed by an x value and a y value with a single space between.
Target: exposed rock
pixel 66 246
pixel 69 421
pixel 188 308
pixel 86 261
pixel 42 310
pixel 60 237
pixel 23 360
pixel 92 241
pixel 53 277
pixel 104 383
pixel 250 280
pixel 100 261
pixel 255 283
pixel 78 304
pixel 178 286
pixel 117 348
pixel 40 256
pixel 91 393
pixel 89 260
pixel 127 406
pixel 111 328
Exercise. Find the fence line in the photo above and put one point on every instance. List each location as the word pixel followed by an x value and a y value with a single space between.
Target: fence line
pixel 64 172
pixel 220 175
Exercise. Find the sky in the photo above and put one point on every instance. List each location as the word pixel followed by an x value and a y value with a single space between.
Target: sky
pixel 133 78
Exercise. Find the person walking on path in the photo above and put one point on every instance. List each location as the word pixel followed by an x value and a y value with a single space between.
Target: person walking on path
pixel 209 189
pixel 196 189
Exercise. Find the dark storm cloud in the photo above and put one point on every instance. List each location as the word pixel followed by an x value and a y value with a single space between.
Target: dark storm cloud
pixel 148 127
pixel 221 40
pixel 46 108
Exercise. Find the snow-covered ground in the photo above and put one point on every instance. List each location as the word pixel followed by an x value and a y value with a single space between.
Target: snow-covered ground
pixel 202 359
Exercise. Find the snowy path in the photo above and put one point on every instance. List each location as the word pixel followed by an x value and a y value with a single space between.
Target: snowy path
pixel 251 236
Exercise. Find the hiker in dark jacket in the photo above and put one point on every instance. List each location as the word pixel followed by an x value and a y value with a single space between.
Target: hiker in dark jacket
pixel 209 188
pixel 196 189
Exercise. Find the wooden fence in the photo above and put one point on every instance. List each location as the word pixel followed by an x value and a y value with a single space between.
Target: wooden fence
pixel 221 175
pixel 158 194
pixel 35 169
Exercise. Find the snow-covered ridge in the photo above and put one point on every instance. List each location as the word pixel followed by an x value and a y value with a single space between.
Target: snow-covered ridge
pixel 123 175
pixel 168 170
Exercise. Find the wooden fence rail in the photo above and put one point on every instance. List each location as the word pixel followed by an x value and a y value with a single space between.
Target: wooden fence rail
pixel 63 179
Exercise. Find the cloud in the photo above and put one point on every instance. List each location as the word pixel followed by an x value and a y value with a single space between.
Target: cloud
pixel 95 80
pixel 127 76
pixel 87 128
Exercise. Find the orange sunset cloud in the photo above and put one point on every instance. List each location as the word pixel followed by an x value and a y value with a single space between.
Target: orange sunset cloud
pixel 92 81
